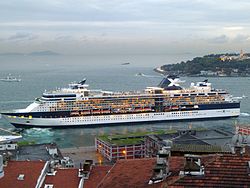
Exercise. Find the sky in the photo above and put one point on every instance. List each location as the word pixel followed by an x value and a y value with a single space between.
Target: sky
pixel 125 26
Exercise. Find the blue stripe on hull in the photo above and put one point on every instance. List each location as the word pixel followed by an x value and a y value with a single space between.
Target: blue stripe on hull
pixel 218 106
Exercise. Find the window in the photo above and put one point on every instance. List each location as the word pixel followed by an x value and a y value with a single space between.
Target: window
pixel 48 186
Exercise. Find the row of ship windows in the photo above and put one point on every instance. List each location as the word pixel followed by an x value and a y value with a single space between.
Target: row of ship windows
pixel 193 112
pixel 124 118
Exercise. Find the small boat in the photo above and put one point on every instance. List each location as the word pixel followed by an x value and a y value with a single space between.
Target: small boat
pixel 10 78
pixel 125 63
pixel 10 138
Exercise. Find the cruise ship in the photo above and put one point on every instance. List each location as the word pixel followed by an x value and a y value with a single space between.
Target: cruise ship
pixel 78 105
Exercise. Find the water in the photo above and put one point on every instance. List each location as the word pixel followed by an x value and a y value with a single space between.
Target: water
pixel 102 72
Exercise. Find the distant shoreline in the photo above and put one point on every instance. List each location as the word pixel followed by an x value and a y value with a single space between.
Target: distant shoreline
pixel 213 65
pixel 161 71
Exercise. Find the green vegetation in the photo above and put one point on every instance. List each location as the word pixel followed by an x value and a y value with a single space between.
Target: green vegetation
pixel 25 143
pixel 212 63
pixel 136 137
pixel 132 138
pixel 128 141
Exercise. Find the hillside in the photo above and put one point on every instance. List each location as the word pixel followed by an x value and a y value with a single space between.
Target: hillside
pixel 212 65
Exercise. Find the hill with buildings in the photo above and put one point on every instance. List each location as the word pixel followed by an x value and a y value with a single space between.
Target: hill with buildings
pixel 212 65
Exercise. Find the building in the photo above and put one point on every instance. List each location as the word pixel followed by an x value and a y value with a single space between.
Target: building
pixel 216 170
pixel 33 152
pixel 243 129
pixel 188 142
pixel 129 173
pixel 62 178
pixel 40 174
pixel 226 170
pixel 142 145
pixel 208 73
pixel 240 57
pixel 120 147
pixel 97 174
pixel 22 174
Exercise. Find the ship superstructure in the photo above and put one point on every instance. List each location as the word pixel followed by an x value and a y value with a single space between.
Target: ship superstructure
pixel 78 105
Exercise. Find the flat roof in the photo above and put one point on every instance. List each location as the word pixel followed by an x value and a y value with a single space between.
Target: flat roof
pixel 131 138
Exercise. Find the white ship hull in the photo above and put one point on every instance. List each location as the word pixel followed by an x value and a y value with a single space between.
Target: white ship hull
pixel 99 120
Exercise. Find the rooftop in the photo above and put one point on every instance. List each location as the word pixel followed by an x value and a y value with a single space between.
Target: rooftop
pixel 131 138
pixel 33 152
pixel 63 178
pixel 224 171
pixel 36 152
pixel 221 170
pixel 97 174
pixel 30 169
pixel 127 173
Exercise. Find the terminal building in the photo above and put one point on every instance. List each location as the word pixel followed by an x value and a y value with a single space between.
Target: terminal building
pixel 132 146
pixel 120 147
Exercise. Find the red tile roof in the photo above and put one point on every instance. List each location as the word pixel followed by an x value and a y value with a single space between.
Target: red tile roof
pixel 223 171
pixel 129 173
pixel 97 173
pixel 30 169
pixel 64 178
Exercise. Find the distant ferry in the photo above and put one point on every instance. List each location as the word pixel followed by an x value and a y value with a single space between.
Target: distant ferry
pixel 79 106
pixel 10 78
pixel 125 63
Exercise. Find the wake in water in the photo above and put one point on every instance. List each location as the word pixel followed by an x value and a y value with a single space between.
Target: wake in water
pixel 244 114
pixel 37 132
pixel 147 75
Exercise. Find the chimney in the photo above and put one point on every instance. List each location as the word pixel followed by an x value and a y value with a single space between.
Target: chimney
pixel 1 166
pixel 238 150
pixel 192 165
pixel 51 168
pixel 161 169
pixel 238 144
pixel 85 168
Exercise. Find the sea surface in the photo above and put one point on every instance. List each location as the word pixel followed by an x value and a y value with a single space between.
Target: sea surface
pixel 106 72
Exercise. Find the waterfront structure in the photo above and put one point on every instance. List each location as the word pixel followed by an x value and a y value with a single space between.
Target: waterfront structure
pixel 184 142
pixel 80 106
pixel 147 144
pixel 115 148
pixel 208 73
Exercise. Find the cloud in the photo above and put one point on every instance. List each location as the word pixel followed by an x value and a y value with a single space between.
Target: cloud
pixel 240 38
pixel 219 39
pixel 22 36
pixel 63 37
pixel 234 28
pixel 156 23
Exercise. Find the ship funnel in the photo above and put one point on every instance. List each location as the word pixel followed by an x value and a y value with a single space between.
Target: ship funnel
pixel 170 82
pixel 83 81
